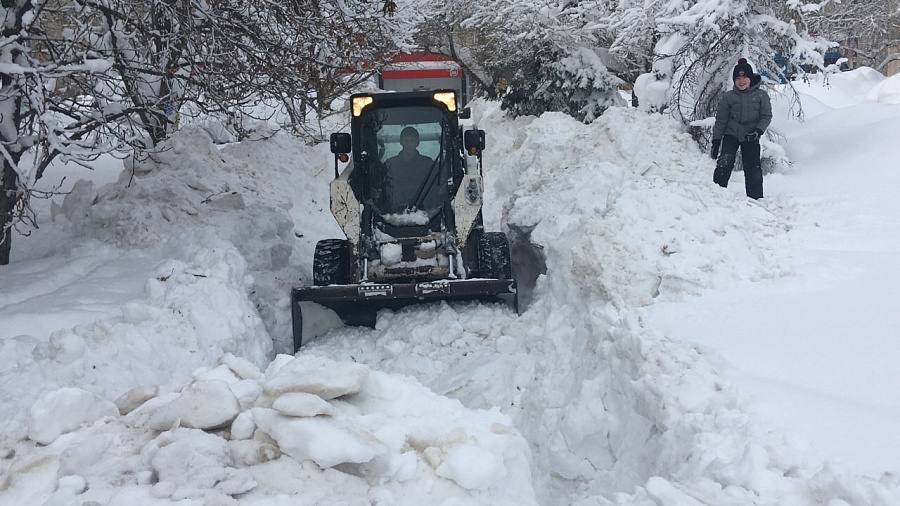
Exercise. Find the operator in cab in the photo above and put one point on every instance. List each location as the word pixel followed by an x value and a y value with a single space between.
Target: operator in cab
pixel 409 160
pixel 407 170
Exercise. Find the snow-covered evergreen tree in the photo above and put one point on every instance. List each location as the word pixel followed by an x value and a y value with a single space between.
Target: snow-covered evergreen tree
pixel 678 54
pixel 537 56
pixel 578 84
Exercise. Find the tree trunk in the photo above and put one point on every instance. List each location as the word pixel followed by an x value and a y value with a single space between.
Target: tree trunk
pixel 892 62
pixel 8 180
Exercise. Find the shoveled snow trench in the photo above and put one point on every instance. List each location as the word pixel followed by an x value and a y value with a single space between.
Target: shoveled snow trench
pixel 608 405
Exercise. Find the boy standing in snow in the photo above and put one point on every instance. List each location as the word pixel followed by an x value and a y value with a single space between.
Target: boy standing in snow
pixel 744 113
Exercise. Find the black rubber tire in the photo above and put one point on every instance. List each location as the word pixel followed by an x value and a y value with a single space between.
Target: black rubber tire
pixel 331 263
pixel 470 253
pixel 297 324
pixel 493 256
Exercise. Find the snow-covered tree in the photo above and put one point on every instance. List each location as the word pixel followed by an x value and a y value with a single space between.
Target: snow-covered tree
pixel 438 28
pixel 578 84
pixel 224 55
pixel 83 77
pixel 31 130
pixel 534 56
pixel 678 53
pixel 630 31
pixel 867 29
pixel 700 42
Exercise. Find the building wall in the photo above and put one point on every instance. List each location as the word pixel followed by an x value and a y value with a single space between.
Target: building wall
pixel 893 68
pixel 424 71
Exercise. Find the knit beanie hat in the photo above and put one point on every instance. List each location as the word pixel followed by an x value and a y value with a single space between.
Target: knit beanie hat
pixel 742 66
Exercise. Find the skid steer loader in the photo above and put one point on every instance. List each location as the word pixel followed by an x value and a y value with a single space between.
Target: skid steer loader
pixel 410 203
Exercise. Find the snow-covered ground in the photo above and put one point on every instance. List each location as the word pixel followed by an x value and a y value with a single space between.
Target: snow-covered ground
pixel 685 346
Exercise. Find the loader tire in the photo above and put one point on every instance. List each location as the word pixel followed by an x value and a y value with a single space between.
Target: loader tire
pixel 493 256
pixel 331 263
pixel 296 324
pixel 470 253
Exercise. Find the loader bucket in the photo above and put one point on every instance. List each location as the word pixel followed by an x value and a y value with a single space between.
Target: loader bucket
pixel 357 304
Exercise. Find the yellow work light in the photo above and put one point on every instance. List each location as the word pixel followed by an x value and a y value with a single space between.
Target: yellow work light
pixel 360 103
pixel 447 98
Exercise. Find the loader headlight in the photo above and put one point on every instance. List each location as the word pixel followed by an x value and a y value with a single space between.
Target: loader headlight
pixel 448 98
pixel 360 103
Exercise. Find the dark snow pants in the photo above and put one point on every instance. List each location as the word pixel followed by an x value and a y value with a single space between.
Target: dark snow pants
pixel 753 178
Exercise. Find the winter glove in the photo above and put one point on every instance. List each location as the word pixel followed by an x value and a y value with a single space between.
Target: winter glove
pixel 753 135
pixel 714 154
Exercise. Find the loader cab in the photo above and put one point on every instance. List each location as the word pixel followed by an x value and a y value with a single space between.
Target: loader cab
pixel 410 200
pixel 410 164
pixel 407 154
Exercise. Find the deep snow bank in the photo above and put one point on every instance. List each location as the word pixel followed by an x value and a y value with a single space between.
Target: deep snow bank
pixel 625 214
pixel 245 196
pixel 614 412
pixel 186 257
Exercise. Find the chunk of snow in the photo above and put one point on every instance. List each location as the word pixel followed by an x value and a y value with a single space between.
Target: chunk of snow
pixel 132 399
pixel 195 460
pixel 241 366
pixel 243 426
pixel 302 404
pixel 222 372
pixel 83 454
pixel 317 375
pixel 246 391
pixel 251 452
pixel 202 405
pixel 63 411
pixel 317 439
pixel 471 466
pixel 29 480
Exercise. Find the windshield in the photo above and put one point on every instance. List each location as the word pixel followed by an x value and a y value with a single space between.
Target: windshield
pixel 410 167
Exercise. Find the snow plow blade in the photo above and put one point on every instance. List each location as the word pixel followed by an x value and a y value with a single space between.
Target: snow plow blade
pixel 357 304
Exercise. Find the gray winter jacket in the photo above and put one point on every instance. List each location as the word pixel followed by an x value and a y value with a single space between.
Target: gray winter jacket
pixel 741 112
